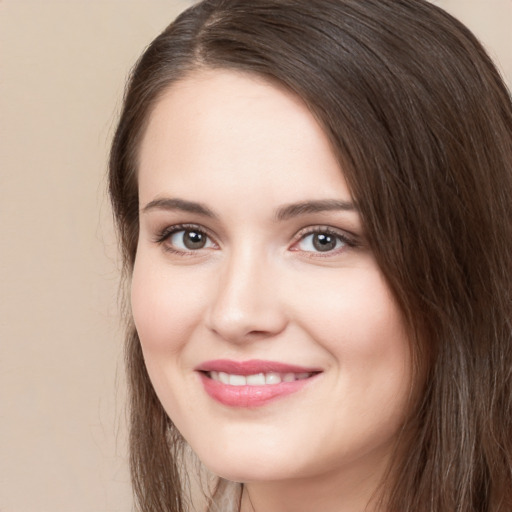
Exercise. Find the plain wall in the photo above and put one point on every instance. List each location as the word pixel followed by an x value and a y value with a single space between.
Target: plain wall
pixel 62 70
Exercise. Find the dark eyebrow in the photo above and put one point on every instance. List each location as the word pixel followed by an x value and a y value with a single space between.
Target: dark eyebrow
pixel 178 204
pixel 296 209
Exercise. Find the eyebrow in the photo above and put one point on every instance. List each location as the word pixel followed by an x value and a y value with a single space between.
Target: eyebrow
pixel 305 207
pixel 178 204
pixel 283 213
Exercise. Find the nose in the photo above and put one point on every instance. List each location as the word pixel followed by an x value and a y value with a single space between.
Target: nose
pixel 246 306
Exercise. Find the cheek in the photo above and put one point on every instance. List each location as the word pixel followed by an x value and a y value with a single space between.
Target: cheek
pixel 165 309
pixel 356 304
pixel 357 320
pixel 165 306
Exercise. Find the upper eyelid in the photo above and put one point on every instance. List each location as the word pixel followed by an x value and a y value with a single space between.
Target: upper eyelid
pixel 319 228
pixel 164 233
pixel 314 228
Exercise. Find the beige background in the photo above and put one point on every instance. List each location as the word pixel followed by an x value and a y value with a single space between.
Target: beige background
pixel 62 71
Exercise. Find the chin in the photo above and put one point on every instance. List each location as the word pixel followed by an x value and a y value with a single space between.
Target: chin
pixel 237 466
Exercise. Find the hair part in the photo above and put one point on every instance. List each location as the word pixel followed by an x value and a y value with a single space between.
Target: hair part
pixel 421 123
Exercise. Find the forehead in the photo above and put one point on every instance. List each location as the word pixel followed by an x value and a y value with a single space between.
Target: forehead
pixel 230 126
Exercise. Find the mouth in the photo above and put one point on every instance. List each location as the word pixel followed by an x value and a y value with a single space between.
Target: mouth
pixel 252 383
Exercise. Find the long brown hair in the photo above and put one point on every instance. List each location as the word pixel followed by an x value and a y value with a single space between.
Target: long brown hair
pixel 422 126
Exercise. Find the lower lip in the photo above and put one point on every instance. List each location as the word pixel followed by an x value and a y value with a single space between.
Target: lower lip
pixel 250 396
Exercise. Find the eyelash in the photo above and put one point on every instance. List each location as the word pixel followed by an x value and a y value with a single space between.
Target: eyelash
pixel 167 232
pixel 348 241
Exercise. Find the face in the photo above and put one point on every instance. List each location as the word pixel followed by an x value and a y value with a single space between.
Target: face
pixel 268 331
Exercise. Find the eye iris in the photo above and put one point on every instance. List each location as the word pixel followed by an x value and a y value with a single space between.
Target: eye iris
pixel 194 240
pixel 324 242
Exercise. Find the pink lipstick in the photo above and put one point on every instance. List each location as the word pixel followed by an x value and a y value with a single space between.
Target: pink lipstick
pixel 252 383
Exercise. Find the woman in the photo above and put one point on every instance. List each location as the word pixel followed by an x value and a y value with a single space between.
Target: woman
pixel 313 201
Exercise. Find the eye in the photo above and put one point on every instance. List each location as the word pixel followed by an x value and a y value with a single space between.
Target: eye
pixel 322 241
pixel 183 239
pixel 189 239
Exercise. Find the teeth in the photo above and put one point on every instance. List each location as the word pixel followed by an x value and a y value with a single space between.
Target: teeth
pixel 237 380
pixel 258 379
pixel 223 377
pixel 272 378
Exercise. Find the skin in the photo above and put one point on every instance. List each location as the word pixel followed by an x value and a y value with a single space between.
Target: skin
pixel 259 289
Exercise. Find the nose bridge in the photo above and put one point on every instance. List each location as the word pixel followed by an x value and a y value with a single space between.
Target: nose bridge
pixel 246 302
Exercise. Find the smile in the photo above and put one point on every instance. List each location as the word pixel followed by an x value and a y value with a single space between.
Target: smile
pixel 252 383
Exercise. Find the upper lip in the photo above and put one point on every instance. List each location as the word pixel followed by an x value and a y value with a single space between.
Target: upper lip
pixel 252 367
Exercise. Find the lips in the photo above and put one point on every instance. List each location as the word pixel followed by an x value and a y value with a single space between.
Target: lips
pixel 252 383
